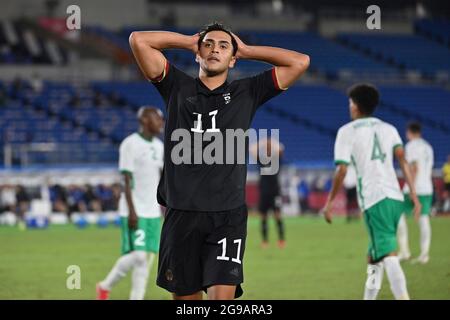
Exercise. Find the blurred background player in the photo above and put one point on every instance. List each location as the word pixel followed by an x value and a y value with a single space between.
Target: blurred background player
pixel 420 157
pixel 140 162
pixel 269 191
pixel 350 181
pixel 368 142
pixel 23 205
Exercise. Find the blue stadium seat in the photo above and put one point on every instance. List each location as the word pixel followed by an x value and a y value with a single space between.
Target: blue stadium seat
pixel 408 51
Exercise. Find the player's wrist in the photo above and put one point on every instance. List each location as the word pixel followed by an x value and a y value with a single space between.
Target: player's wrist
pixel 245 51
pixel 191 42
pixel 187 42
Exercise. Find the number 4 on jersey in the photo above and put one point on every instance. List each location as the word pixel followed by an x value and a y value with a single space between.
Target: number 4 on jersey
pixel 377 152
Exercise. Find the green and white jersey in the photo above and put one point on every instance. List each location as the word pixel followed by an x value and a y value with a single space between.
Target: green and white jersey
pixel 143 159
pixel 420 152
pixel 368 144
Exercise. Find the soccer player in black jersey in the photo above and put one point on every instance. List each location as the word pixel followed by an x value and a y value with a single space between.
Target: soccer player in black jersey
pixel 269 191
pixel 205 228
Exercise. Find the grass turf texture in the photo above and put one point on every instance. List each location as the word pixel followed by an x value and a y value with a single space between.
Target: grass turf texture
pixel 320 261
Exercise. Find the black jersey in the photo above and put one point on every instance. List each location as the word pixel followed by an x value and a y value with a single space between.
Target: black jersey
pixel 207 187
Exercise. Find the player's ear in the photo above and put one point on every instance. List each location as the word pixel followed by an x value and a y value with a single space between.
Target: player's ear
pixel 232 62
pixel 197 57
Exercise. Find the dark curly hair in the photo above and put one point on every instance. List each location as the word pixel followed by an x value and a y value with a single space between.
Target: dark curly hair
pixel 365 96
pixel 216 26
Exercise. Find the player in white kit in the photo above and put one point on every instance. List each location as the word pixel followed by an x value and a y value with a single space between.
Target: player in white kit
pixel 370 144
pixel 419 155
pixel 140 162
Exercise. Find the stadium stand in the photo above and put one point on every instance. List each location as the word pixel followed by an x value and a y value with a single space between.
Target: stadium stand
pixel 434 29
pixel 100 116
pixel 407 52
pixel 21 45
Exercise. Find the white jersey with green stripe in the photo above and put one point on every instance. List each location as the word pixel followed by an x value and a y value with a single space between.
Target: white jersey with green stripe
pixel 368 143
pixel 143 159
pixel 420 152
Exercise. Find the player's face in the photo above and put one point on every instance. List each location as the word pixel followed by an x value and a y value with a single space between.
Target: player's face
pixel 409 135
pixel 153 122
pixel 215 54
pixel 353 109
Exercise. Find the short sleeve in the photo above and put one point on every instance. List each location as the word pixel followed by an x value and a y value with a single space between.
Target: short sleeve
pixel 411 153
pixel 265 86
pixel 343 147
pixel 126 161
pixel 167 81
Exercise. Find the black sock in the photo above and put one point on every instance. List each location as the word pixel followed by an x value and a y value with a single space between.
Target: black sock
pixel 280 226
pixel 264 229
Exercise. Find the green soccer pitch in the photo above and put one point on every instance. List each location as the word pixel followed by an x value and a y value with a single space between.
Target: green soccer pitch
pixel 320 261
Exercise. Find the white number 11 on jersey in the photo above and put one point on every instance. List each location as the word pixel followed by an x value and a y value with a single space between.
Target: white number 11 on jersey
pixel 198 123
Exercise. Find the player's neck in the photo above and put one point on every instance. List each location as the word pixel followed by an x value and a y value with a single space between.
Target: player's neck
pixel 362 116
pixel 212 82
pixel 145 135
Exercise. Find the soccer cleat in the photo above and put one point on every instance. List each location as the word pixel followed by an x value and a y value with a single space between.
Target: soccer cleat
pixel 102 294
pixel 281 244
pixel 264 245
pixel 421 260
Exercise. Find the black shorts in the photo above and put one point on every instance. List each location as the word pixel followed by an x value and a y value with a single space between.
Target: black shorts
pixel 352 198
pixel 351 194
pixel 269 202
pixel 201 249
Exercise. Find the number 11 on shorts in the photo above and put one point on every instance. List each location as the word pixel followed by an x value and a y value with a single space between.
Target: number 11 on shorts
pixel 224 250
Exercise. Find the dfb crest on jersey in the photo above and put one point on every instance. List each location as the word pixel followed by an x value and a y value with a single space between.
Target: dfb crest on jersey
pixel 227 97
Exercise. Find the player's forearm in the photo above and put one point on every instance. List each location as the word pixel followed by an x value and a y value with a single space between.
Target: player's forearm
pixel 162 40
pixel 128 195
pixel 408 176
pixel 289 65
pixel 276 56
pixel 129 200
pixel 413 170
pixel 146 46
pixel 337 182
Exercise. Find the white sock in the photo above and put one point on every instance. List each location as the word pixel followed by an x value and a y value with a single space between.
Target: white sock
pixel 396 277
pixel 425 235
pixel 140 275
pixel 402 235
pixel 374 280
pixel 120 269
